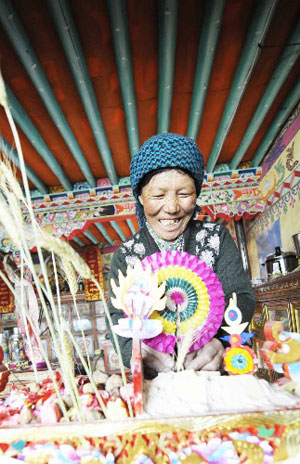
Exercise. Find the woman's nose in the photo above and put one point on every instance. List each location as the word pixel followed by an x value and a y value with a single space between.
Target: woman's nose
pixel 171 204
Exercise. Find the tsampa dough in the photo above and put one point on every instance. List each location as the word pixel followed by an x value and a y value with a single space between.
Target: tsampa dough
pixel 190 393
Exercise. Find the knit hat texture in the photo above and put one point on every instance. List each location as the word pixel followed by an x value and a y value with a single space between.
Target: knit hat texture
pixel 166 150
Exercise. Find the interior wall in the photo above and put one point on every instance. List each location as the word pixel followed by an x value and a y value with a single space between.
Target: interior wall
pixel 280 186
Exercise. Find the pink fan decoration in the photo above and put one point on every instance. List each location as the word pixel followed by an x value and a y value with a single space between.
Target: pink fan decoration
pixel 194 292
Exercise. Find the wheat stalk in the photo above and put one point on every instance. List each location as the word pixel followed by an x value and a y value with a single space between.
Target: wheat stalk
pixel 70 276
pixel 52 244
pixel 63 249
pixel 116 343
pixel 3 96
pixel 66 362
pixel 184 346
pixel 82 333
pixel 70 260
pixel 8 177
pixel 89 373
pixel 65 252
pixel 8 221
pixel 67 337
pixel 23 311
pixel 41 347
pixel 68 378
pixel 13 277
pixel 35 228
pixel 12 232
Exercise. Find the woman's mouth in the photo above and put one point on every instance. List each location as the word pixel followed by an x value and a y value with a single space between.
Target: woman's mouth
pixel 169 223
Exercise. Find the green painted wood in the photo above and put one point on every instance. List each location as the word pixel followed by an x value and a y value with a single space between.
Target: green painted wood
pixel 89 235
pixel 69 38
pixel 168 17
pixel 262 16
pixel 281 117
pixel 104 233
pixel 11 154
pixel 119 26
pixel 33 135
pixel 131 226
pixel 78 241
pixel 21 43
pixel 287 60
pixel 210 29
pixel 116 227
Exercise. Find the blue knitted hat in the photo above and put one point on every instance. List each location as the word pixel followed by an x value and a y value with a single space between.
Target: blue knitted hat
pixel 165 151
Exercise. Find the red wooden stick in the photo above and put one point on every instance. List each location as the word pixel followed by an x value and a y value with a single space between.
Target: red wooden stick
pixel 137 375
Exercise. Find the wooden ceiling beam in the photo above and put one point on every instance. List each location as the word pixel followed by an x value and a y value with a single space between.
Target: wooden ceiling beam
pixel 21 43
pixel 286 108
pixel 285 64
pixel 29 129
pixel 69 38
pixel 119 28
pixel 206 53
pixel 259 26
pixel 167 32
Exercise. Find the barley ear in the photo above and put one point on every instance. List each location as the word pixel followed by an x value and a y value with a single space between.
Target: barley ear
pixel 70 276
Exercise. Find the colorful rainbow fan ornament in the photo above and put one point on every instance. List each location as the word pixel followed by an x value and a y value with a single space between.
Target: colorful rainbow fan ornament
pixel 195 301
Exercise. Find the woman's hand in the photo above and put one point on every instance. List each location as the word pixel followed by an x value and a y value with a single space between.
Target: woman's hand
pixel 157 360
pixel 208 358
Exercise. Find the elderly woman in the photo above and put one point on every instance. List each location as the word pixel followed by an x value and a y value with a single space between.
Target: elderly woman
pixel 166 176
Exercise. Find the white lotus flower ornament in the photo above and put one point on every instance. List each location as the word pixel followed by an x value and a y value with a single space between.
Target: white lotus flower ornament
pixel 138 295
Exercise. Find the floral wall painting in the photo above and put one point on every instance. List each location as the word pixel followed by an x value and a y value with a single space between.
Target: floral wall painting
pixel 281 144
pixel 266 242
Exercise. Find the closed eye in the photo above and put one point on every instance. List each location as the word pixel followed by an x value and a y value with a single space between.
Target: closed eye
pixel 185 195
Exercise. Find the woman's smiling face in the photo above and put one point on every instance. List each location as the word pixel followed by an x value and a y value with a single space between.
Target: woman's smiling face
pixel 169 201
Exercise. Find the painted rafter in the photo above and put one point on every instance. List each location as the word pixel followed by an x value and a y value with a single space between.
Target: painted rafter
pixel 225 194
pixel 70 212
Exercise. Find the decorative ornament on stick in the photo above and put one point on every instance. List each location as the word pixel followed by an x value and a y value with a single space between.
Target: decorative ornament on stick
pixel 195 303
pixel 281 350
pixel 138 295
pixel 238 359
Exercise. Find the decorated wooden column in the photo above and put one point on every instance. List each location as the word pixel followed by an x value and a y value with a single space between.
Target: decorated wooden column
pixel 240 235
pixel 92 256
pixel 7 300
